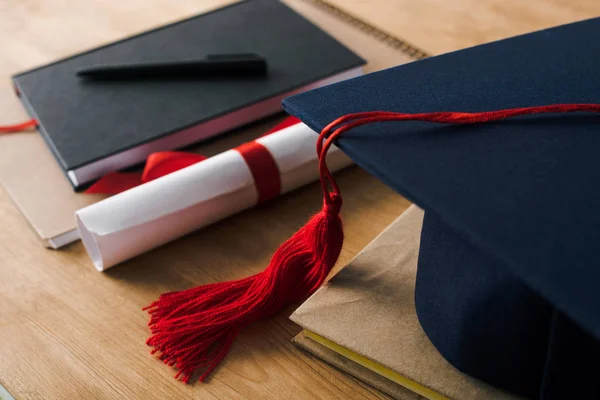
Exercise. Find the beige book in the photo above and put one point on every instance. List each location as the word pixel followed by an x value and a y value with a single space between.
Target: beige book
pixel 35 182
pixel 366 314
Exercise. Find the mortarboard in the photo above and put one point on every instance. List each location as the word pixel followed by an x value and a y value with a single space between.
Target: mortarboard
pixel 507 282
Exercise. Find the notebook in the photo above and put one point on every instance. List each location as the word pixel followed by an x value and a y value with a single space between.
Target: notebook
pixel 366 316
pixel 46 199
pixel 95 127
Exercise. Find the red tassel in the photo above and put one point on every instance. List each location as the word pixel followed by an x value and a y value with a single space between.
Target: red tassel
pixel 194 329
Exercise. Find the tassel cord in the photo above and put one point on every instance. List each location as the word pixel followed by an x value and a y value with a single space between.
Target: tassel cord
pixel 350 121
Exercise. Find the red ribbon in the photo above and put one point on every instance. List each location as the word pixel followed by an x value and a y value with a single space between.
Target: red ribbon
pixel 263 168
pixel 157 165
pixel 259 160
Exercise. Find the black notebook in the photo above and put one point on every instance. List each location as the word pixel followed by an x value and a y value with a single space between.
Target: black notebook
pixel 95 127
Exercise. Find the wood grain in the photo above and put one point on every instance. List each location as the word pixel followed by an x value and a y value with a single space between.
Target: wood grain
pixel 69 332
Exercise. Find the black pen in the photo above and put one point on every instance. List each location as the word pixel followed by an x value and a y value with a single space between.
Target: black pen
pixel 222 65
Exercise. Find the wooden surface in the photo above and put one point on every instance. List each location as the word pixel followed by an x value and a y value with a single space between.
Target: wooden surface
pixel 69 332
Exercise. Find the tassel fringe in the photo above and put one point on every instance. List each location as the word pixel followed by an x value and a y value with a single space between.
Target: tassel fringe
pixel 194 329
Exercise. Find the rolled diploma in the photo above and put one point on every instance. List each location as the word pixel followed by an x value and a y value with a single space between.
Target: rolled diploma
pixel 140 219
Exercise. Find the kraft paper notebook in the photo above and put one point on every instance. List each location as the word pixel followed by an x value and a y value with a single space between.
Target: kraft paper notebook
pixel 364 322
pixel 37 185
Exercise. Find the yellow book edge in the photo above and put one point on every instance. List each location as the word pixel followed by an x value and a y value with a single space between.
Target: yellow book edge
pixel 375 367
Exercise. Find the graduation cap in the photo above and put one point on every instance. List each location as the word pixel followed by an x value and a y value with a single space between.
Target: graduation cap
pixel 508 275
pixel 508 281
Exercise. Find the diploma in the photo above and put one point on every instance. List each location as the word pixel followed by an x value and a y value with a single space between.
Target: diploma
pixel 140 219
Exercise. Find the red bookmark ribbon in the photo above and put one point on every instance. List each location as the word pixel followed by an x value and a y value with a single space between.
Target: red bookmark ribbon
pixel 23 126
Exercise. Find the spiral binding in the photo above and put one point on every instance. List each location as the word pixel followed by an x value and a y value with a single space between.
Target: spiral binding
pixel 373 31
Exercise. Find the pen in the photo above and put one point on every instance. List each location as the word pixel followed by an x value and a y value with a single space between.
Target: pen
pixel 221 65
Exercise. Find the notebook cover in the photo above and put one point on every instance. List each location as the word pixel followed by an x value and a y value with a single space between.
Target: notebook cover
pixel 38 187
pixel 368 308
pixel 85 121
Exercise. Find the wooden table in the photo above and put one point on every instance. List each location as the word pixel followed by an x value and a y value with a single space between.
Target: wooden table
pixel 68 332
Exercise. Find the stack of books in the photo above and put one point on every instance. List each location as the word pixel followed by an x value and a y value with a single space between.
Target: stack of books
pixel 70 131
pixel 364 322
pixel 91 127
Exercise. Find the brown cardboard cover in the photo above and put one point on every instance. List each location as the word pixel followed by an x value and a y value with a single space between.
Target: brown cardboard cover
pixel 37 185
pixel 368 308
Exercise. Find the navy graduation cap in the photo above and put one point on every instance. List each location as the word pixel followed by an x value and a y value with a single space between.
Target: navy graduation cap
pixel 508 282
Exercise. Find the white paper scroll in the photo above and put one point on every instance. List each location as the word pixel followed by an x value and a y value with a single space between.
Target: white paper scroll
pixel 140 219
